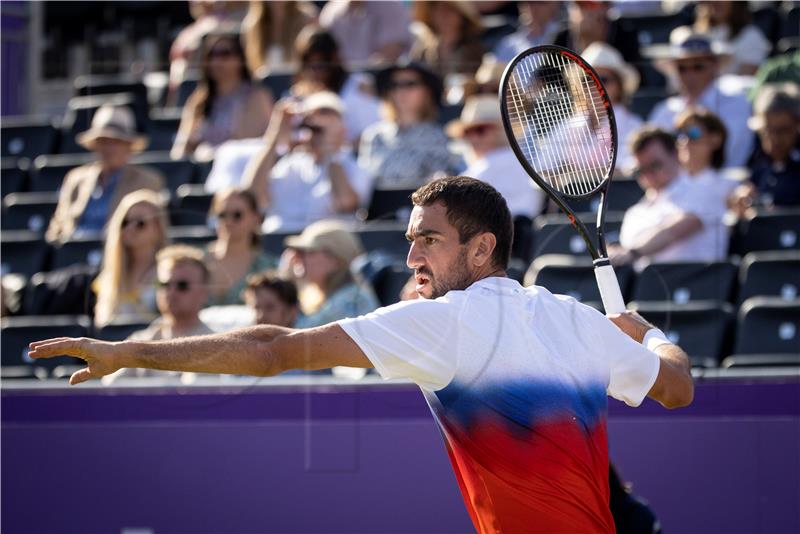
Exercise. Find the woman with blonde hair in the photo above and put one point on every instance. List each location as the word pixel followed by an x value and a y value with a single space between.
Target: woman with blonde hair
pixel 126 284
pixel 237 252
pixel 270 29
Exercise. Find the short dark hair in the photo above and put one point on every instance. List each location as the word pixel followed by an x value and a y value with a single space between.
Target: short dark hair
pixel 712 124
pixel 645 135
pixel 284 288
pixel 472 207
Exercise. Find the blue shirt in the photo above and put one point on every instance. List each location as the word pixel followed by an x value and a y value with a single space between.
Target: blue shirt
pixel 96 213
pixel 350 300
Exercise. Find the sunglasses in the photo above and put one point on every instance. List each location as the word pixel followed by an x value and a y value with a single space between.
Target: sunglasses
pixel 647 169
pixel 221 53
pixel 139 224
pixel 404 84
pixel 479 130
pixel 700 66
pixel 181 286
pixel 692 133
pixel 235 215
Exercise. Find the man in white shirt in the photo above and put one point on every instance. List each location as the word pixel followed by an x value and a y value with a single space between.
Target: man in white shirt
pixel 516 377
pixel 317 178
pixel 695 63
pixel 539 25
pixel 676 219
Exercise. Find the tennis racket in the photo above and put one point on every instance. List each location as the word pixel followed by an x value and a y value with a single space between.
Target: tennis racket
pixel 561 126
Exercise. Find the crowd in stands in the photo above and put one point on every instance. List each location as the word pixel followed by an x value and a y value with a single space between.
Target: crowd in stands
pixel 381 97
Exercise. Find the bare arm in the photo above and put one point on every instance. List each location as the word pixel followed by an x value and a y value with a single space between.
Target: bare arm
pixel 673 387
pixel 344 198
pixel 256 351
pixel 683 227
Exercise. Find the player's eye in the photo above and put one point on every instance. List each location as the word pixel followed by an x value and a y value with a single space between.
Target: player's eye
pixel 430 241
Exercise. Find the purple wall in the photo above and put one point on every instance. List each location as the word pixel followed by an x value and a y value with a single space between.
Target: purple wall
pixel 354 459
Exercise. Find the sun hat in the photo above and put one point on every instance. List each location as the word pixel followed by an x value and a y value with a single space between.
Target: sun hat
pixel 113 122
pixel 478 109
pixel 685 43
pixel 604 56
pixel 330 236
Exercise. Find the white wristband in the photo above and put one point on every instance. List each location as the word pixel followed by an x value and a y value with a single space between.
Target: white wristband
pixel 655 338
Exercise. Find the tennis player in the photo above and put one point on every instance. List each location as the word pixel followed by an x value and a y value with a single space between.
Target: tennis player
pixel 516 377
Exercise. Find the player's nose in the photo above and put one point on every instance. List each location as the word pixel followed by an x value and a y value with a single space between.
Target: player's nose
pixel 414 259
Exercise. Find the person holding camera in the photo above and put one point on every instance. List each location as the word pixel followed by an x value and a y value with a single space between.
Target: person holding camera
pixel 305 173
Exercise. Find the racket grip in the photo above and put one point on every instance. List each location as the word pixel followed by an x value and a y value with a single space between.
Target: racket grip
pixel 609 287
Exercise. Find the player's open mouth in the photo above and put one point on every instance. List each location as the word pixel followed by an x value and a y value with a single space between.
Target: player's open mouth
pixel 422 280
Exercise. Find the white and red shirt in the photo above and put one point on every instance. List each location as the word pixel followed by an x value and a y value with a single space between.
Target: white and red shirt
pixel 517 380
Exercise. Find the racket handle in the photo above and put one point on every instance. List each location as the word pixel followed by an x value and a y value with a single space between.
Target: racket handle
pixel 609 287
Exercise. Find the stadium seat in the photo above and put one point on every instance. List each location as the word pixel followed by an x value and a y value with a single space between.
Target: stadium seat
pixel 196 236
pixel 65 291
pixel 682 282
pixel 573 276
pixel 273 242
pixel 770 274
pixel 22 252
pixel 163 128
pixel 701 329
pixel 791 23
pixel 387 237
pixel 495 28
pixel 655 29
pixel 14 175
pixel 388 282
pixel 768 326
pixel 390 205
pixel 28 211
pixel 27 137
pixel 768 231
pixel 78 251
pixel 18 332
pixel 449 112
pixel 175 172
pixel 48 172
pixel 761 360
pixel 644 100
pixel 122 327
pixel 112 84
pixel 553 234
pixel 624 193
pixel 190 206
pixel 278 83
pixel 767 19
pixel 185 89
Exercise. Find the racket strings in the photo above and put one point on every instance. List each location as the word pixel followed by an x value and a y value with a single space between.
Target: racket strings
pixel 560 122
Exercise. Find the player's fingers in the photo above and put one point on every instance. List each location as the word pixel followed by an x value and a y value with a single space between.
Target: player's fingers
pixel 33 344
pixel 55 347
pixel 80 376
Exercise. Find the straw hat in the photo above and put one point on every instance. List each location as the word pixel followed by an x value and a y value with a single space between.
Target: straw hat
pixel 330 236
pixel 685 43
pixel 478 109
pixel 113 122
pixel 604 56
pixel 323 100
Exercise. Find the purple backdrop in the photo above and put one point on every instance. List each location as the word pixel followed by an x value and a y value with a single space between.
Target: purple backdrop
pixel 364 458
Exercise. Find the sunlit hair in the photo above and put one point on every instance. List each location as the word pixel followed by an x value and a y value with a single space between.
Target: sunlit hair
pixel 112 280
pixel 169 257
pixel 252 204
pixel 259 33
pixel 207 87
pixel 712 124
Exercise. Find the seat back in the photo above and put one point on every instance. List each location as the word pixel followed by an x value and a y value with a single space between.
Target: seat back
pixel 768 326
pixel 770 274
pixel 682 282
pixel 23 252
pixel 18 332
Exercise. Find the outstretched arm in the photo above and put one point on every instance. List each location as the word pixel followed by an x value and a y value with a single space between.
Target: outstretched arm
pixel 257 351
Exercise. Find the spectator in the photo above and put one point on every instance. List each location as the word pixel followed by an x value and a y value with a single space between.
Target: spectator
pixel 487 78
pixel 731 22
pixel 779 69
pixel 539 24
pixel 368 32
pixel 695 61
pixel 90 193
pixel 621 81
pixel 209 16
pixel 126 284
pixel 589 22
pixel 321 69
pixel 668 223
pixel 408 147
pixel 272 298
pixel 182 292
pixel 237 251
pixel 317 178
pixel 321 257
pixel 775 180
pixel 493 161
pixel 270 29
pixel 448 37
pixel 226 105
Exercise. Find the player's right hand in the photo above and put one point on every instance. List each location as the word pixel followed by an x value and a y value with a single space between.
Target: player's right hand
pixel 102 357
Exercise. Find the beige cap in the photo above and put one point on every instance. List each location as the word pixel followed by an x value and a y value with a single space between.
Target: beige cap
pixel 478 109
pixel 490 70
pixel 113 122
pixel 604 56
pixel 323 100
pixel 330 236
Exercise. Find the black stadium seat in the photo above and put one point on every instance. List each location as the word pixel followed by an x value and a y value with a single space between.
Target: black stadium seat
pixel 761 360
pixel 48 172
pixel 624 193
pixel 553 234
pixel 18 332
pixel 116 84
pixel 770 274
pixel 390 205
pixel 386 237
pixel 22 252
pixel 121 327
pixel 273 242
pixel 27 137
pixel 175 172
pixel 701 329
pixel 196 236
pixel 190 206
pixel 28 211
pixel 62 292
pixel 163 129
pixel 14 176
pixel 81 251
pixel 768 326
pixel 278 83
pixel 768 231
pixel 573 276
pixel 682 282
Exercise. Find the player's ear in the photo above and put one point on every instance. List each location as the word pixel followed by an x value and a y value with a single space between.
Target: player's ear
pixel 485 244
